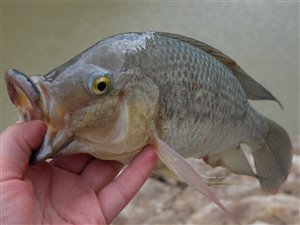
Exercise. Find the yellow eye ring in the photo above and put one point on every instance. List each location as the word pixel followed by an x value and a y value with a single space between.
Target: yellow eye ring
pixel 101 85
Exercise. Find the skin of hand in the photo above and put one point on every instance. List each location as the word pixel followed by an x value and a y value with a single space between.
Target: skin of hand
pixel 76 189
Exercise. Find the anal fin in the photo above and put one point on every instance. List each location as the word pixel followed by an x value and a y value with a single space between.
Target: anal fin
pixel 235 160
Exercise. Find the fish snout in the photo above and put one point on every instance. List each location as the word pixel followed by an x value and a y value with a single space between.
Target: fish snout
pixel 24 94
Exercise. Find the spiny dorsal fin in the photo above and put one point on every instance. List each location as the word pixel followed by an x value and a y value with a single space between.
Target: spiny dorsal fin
pixel 252 88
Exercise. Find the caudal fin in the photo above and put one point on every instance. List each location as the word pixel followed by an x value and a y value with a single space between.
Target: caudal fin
pixel 273 160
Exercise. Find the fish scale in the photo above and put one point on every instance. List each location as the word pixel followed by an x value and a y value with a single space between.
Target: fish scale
pixel 201 70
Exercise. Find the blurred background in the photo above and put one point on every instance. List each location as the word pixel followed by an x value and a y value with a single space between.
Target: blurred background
pixel 263 37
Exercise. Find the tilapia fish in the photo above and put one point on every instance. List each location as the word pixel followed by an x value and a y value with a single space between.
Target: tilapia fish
pixel 179 94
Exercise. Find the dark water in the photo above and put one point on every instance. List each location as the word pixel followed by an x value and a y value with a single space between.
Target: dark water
pixel 263 38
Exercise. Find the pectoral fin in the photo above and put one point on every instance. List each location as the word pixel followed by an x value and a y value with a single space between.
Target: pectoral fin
pixel 235 160
pixel 178 165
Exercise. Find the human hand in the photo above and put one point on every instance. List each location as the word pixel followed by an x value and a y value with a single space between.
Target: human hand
pixel 77 189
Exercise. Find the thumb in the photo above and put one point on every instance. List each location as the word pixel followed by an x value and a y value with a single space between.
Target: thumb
pixel 17 143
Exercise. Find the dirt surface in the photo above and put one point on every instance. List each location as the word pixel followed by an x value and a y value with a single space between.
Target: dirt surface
pixel 170 202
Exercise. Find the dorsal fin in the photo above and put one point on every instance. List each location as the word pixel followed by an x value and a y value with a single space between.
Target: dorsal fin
pixel 252 88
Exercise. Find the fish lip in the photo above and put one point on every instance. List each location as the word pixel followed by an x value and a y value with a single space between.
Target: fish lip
pixel 24 94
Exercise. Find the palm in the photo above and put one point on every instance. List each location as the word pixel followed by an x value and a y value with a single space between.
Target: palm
pixel 60 195
pixel 75 189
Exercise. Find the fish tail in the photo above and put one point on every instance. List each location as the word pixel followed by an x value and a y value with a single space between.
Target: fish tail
pixel 273 159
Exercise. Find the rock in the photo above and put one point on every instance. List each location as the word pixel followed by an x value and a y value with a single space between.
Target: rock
pixel 259 222
pixel 282 209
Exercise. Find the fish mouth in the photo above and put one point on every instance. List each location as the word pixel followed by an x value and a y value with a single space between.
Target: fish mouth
pixel 24 94
pixel 30 98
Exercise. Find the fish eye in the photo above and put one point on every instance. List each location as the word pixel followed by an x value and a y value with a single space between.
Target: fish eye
pixel 101 85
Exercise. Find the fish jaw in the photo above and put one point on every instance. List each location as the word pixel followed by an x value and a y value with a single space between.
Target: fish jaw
pixel 52 145
pixel 59 134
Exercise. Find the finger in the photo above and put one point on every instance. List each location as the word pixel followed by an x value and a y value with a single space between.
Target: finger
pixel 72 163
pixel 98 173
pixel 17 143
pixel 115 196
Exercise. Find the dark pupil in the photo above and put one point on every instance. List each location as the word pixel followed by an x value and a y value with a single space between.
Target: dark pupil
pixel 101 86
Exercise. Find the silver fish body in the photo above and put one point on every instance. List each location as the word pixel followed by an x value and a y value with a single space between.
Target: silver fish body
pixel 185 97
pixel 203 108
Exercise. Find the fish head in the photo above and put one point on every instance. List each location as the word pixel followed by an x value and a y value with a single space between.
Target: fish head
pixel 76 101
pixel 88 105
